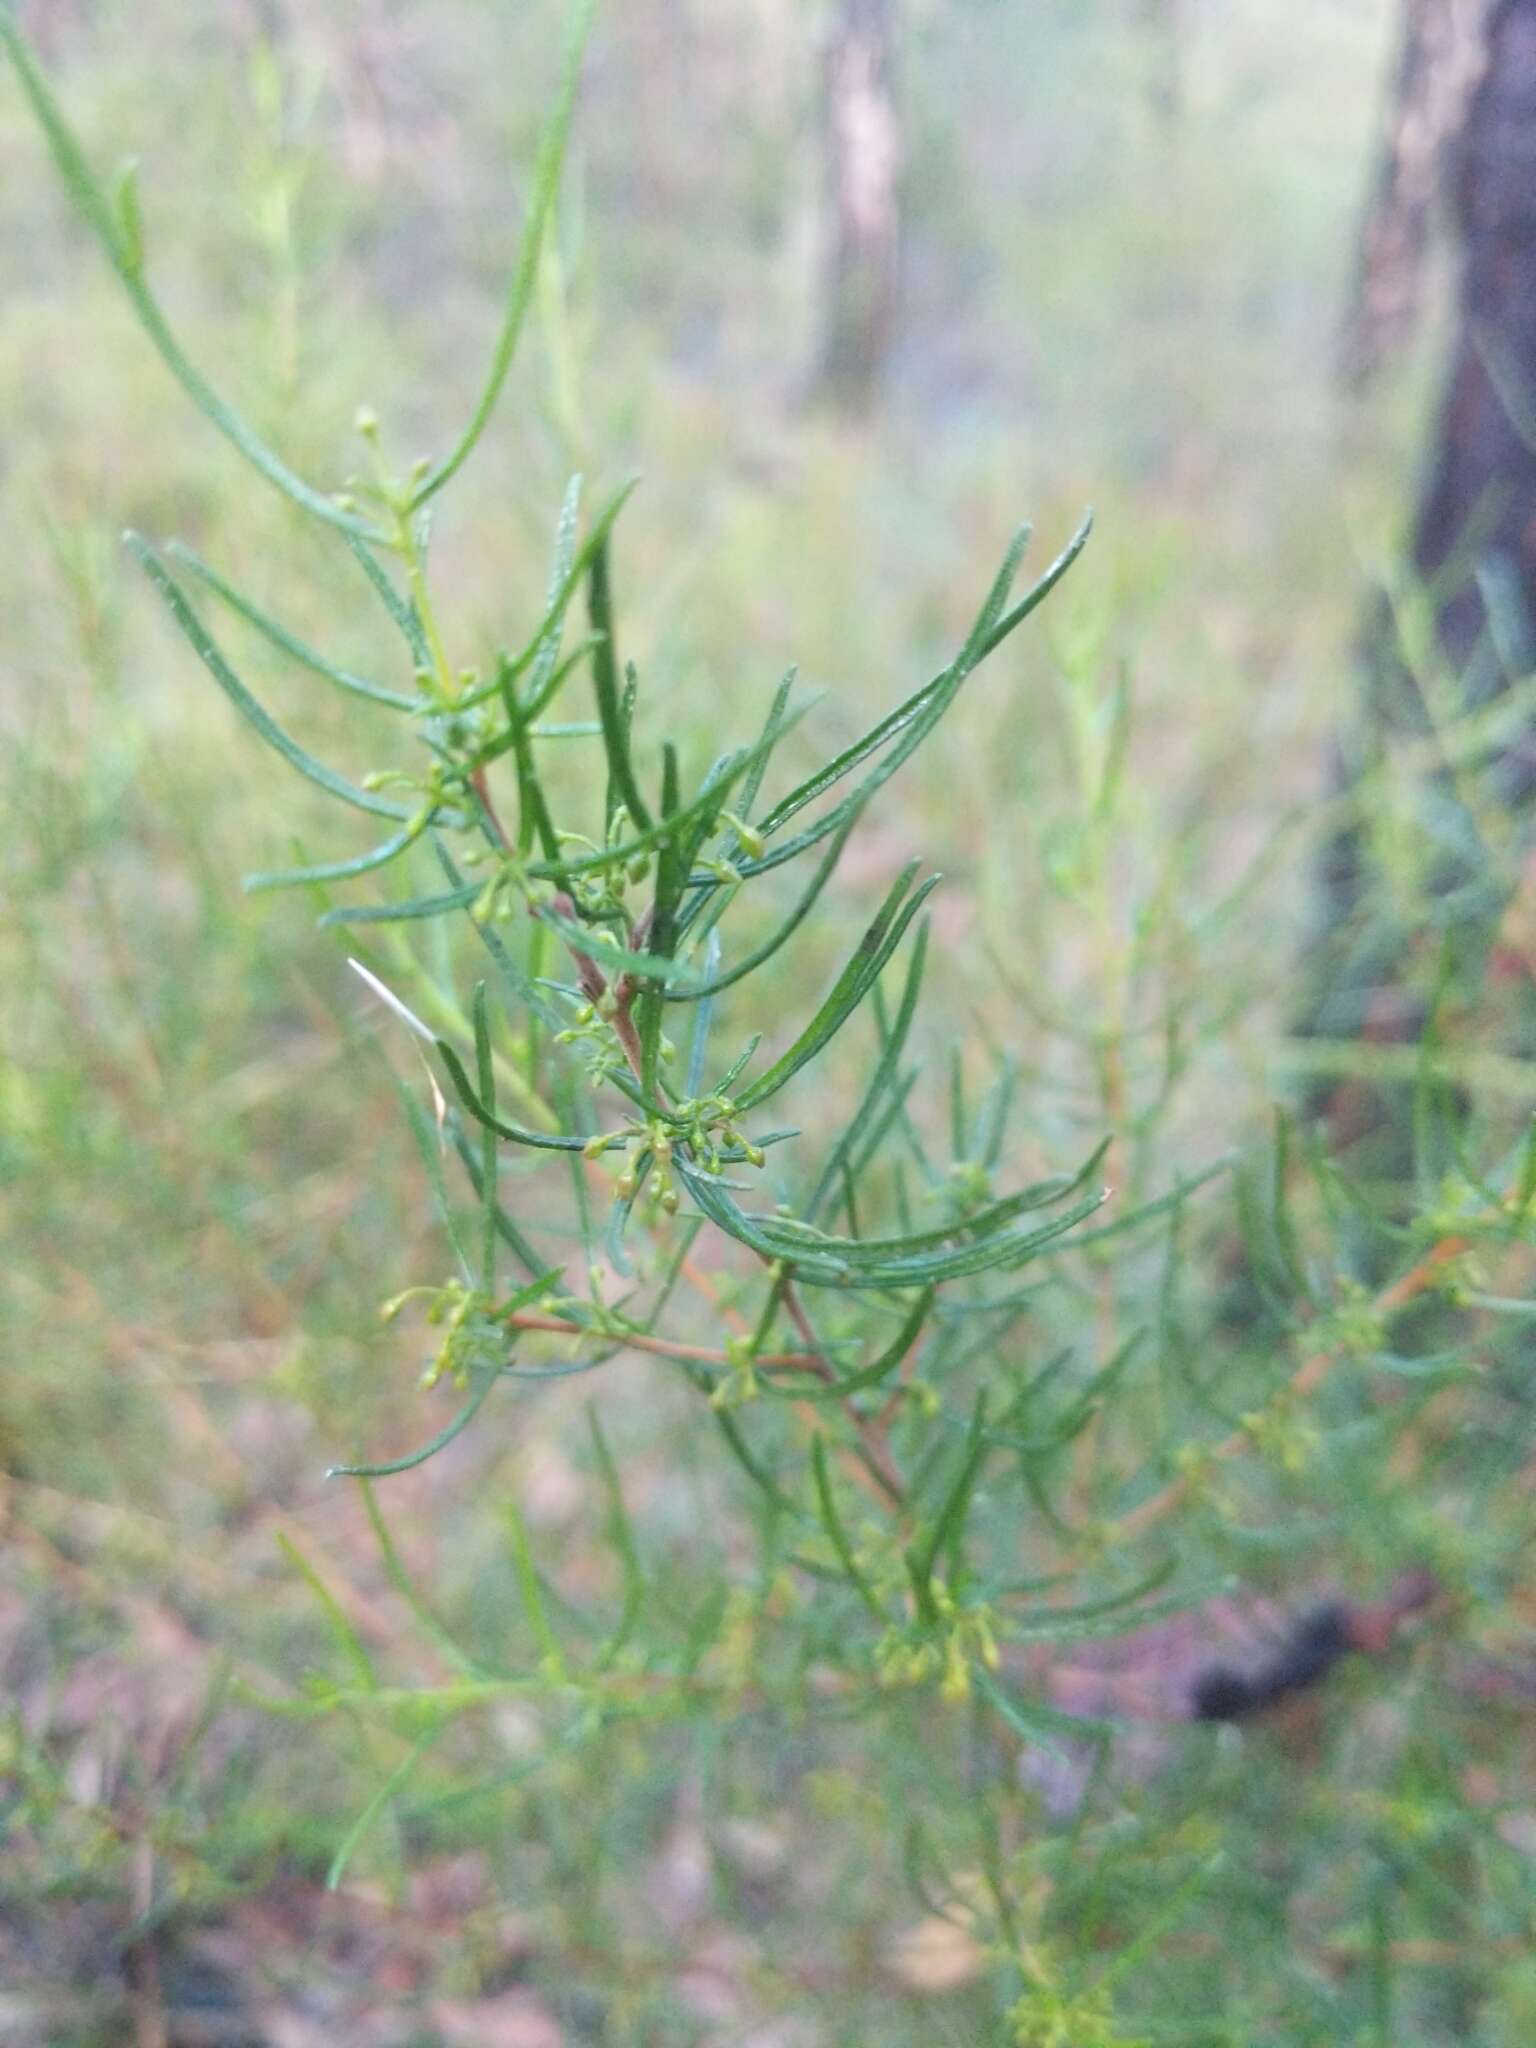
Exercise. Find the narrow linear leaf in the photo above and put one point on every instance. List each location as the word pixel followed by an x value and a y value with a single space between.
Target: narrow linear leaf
pixel 413 908
pixel 592 940
pixel 765 952
pixel 287 642
pixel 853 984
pixel 546 182
pixel 882 1367
pixel 544 640
pixel 1181 1192
pixel 533 1593
pixel 623 788
pixel 1036 1722
pixel 506 1229
pixel 832 1522
pixel 405 615
pixel 621 1538
pixel 712 796
pixel 741 1451
pixel 923 1554
pixel 983 1223
pixel 346 1635
pixel 401 1580
pixel 986 634
pixel 341 870
pixel 834 1267
pixel 206 650
pixel 389 1466
pixel 543 1141
pixel 915 720
pixel 398 1778
pixel 885 1068
pixel 703 1017
pixel 124 251
pixel 485 1073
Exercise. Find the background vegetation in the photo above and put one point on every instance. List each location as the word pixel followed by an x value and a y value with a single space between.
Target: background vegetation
pixel 210 1184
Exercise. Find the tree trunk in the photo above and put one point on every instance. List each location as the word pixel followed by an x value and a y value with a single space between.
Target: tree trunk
pixel 1469 633
pixel 863 151
pixel 1482 489
pixel 1438 69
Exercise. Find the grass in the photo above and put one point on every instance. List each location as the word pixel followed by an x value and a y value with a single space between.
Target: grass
pixel 209 1183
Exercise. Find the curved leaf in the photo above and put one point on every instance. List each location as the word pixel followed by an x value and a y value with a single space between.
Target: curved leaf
pixel 207 651
pixel 287 642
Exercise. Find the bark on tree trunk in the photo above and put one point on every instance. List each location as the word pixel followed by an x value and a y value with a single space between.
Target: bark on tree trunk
pixel 1474 560
pixel 863 146
pixel 1482 489
pixel 1440 63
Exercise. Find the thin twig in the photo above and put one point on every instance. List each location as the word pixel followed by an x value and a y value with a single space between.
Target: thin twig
pixel 874 1451
pixel 1307 1378
pixel 699 1354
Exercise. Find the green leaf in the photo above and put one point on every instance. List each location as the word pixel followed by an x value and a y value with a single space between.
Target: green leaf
pixel 671 868
pixel 741 1451
pixel 533 818
pixel 1097 1619
pixel 922 710
pixel 542 1141
pixel 1525 1180
pixel 129 218
pixel 68 156
pixel 774 729
pixel 622 785
pixel 124 251
pixel 411 909
pixel 204 647
pixel 395 1782
pixel 853 984
pixel 885 1068
pixel 882 1367
pixel 703 1017
pixel 485 1070
pixel 401 1580
pixel 342 870
pixel 765 952
pixel 546 182
pixel 712 895
pixel 710 799
pixel 533 1594
pixel 992 1120
pixel 444 1437
pixel 1179 1193
pixel 922 1555
pixel 346 1635
pixel 621 1539
pixel 594 942
pixel 833 1524
pixel 835 1263
pixel 1037 1722
pixel 984 1223
pixel 429 1147
pixel 571 565
pixel 280 637
pixel 506 1229
pixel 522 985
pixel 406 617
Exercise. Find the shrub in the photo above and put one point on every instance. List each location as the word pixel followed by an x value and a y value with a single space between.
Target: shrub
pixel 912 1520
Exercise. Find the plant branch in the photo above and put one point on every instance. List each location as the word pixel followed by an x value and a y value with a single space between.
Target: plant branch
pixel 1306 1380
